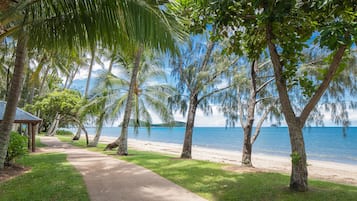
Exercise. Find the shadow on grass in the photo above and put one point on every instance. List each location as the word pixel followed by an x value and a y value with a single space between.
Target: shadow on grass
pixel 212 182
pixel 51 178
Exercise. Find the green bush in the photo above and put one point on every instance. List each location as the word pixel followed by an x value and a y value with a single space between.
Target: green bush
pixel 17 147
pixel 63 132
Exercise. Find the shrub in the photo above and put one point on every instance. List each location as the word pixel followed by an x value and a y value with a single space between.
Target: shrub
pixel 17 147
pixel 63 132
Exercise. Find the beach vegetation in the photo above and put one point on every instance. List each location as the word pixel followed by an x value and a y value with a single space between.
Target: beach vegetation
pixel 65 27
pixel 200 70
pixel 283 30
pixel 253 94
pixel 64 104
pixel 147 92
pixel 93 49
pixel 97 98
pixel 64 132
pixel 17 148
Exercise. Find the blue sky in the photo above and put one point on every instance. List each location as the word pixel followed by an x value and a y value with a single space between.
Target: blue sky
pixel 215 120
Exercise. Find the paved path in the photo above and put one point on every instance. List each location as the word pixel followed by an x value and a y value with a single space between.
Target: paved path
pixel 110 179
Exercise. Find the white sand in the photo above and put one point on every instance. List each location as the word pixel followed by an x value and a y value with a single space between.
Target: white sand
pixel 322 170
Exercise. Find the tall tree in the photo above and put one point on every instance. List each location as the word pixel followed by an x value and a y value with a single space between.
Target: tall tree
pixel 100 96
pixel 148 93
pixel 198 79
pixel 285 28
pixel 251 95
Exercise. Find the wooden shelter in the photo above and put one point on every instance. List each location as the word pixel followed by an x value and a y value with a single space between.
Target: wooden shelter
pixel 23 117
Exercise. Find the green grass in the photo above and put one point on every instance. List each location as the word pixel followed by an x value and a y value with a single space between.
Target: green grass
pixel 51 178
pixel 212 182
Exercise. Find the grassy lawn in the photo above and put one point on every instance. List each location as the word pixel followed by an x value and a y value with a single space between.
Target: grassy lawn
pixel 212 182
pixel 51 178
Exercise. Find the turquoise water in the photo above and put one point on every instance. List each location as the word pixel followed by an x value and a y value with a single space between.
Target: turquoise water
pixel 322 143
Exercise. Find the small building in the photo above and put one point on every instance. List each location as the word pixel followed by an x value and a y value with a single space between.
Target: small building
pixel 23 117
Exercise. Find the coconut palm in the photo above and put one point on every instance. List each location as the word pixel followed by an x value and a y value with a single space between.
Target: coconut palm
pixel 100 95
pixel 143 93
pixel 64 25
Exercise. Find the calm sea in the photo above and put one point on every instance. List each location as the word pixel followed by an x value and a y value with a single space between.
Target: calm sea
pixel 322 143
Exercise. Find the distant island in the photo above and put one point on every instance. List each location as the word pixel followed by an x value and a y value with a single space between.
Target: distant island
pixel 172 124
pixel 143 124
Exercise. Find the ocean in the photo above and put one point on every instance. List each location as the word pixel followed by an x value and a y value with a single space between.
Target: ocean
pixel 322 143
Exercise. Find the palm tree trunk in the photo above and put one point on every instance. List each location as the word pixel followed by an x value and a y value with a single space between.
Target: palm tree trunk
pixel 98 132
pixel 100 121
pixel 44 78
pixel 122 141
pixel 187 144
pixel 78 134
pixel 90 72
pixel 14 95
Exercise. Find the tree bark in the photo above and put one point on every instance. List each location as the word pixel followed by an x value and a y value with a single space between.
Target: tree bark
pixel 248 128
pixel 78 133
pixel 299 174
pixel 54 126
pixel 100 122
pixel 14 95
pixel 187 144
pixel 122 141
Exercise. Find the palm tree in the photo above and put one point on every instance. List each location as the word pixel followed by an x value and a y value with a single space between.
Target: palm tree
pixel 143 93
pixel 100 96
pixel 64 25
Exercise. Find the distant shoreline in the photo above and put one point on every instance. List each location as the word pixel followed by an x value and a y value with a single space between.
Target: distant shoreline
pixel 323 170
pixel 322 144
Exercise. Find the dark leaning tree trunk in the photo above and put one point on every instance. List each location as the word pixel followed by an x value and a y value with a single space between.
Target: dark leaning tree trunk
pixel 187 144
pixel 122 141
pixel 13 98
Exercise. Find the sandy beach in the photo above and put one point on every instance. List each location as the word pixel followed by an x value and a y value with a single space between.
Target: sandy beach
pixel 322 170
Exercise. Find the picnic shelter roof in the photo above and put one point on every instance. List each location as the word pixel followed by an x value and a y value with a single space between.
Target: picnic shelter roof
pixel 21 115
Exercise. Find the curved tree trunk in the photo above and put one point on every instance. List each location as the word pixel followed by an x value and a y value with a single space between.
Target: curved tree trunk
pixel 122 141
pixel 54 126
pixel 78 134
pixel 98 132
pixel 100 121
pixel 187 144
pixel 14 95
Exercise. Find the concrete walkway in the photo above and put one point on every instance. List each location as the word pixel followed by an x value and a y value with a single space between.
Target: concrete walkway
pixel 110 179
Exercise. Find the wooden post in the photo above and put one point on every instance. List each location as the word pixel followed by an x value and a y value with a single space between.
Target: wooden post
pixel 33 129
pixel 28 136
